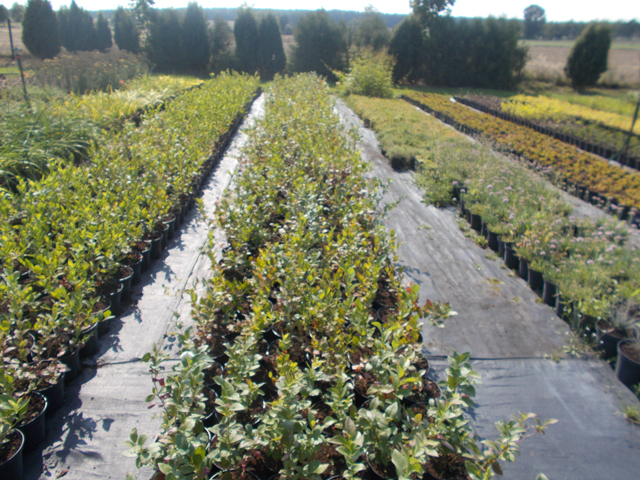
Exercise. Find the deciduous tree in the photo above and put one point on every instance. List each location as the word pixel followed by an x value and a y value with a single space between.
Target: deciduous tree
pixel 534 20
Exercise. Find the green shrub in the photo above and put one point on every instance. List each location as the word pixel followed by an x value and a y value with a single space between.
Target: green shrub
pixel 588 57
pixel 370 75
pixel 90 71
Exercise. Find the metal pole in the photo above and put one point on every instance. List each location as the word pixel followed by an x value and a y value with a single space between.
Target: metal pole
pixel 17 57
pixel 10 38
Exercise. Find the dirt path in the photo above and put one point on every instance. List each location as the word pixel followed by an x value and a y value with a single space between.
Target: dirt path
pixel 509 332
pixel 85 437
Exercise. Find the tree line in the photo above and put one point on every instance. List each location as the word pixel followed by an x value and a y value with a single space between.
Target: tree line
pixel 426 46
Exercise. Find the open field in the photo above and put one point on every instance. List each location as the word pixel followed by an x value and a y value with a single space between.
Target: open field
pixel 616 45
pixel 5 45
pixel 548 62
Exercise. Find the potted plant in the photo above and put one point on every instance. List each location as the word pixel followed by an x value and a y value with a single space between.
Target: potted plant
pixel 621 324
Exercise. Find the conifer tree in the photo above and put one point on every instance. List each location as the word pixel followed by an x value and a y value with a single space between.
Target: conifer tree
pixel 195 43
pixel 245 30
pixel 164 40
pixel 220 38
pixel 103 33
pixel 125 32
pixel 272 56
pixel 40 29
pixel 76 29
pixel 589 56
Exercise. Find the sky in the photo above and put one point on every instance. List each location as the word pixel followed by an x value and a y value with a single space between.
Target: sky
pixel 558 10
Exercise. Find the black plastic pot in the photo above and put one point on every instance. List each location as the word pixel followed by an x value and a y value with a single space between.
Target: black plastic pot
pixel 523 268
pixel 549 293
pixel 560 304
pixel 511 259
pixel 172 227
pixel 91 341
pixel 34 430
pixel 146 257
pixel 372 474
pixel 500 248
pixel 607 340
pixel 104 324
pixel 54 395
pixel 271 335
pixel 137 271
pixel 126 282
pixel 492 241
pixel 115 298
pixel 627 369
pixel 536 280
pixel 210 418
pixel 476 222
pixel 72 361
pixel 165 235
pixel 156 246
pixel 12 468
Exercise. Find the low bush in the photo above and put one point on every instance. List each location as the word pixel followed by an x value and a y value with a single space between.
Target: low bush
pixel 370 75
pixel 82 72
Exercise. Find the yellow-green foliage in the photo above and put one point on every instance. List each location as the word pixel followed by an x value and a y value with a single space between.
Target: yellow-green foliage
pixel 370 75
pixel 544 108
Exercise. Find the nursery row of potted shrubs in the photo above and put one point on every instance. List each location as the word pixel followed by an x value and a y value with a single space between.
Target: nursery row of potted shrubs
pixel 74 242
pixel 305 358
pixel 578 172
pixel 616 332
pixel 64 128
pixel 590 266
pixel 607 152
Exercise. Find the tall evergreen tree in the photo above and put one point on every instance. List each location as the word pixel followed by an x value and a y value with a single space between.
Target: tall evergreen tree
pixel 164 41
pixel 40 29
pixel 589 56
pixel 220 38
pixel 195 43
pixel 245 30
pixel 76 29
pixel 407 46
pixel 272 56
pixel 125 32
pixel 371 30
pixel 320 44
pixel 103 33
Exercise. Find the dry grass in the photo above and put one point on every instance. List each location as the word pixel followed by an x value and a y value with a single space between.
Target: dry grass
pixel 549 61
pixel 5 46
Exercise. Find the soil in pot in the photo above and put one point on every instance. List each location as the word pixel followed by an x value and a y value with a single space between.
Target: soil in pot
pixel 628 365
pixel 262 465
pixel 446 467
pixel 429 390
pixel 608 338
pixel 252 414
pixel 32 426
pixel 330 456
pixel 11 457
pixel 210 417
pixel 378 471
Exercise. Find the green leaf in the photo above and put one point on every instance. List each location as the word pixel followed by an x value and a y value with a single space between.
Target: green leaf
pixel 400 461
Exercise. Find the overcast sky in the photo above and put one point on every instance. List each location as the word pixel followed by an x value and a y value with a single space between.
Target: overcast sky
pixel 558 10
